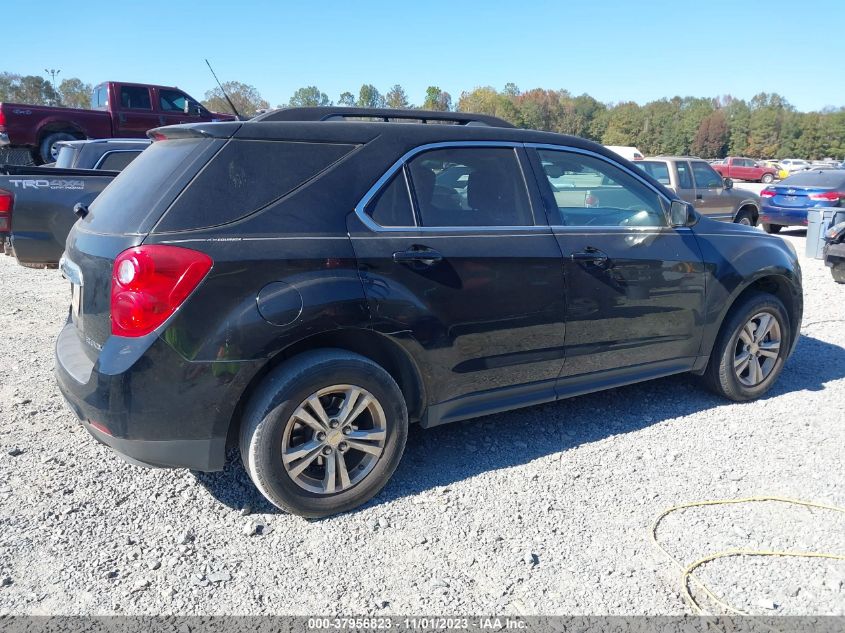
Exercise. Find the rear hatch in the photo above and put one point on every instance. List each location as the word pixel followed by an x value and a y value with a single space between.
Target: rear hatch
pixel 807 190
pixel 121 217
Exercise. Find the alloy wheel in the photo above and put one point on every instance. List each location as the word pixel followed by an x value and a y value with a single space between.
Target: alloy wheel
pixel 757 349
pixel 334 439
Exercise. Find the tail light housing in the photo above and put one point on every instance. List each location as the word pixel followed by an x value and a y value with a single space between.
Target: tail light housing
pixel 149 283
pixel 827 196
pixel 2 118
pixel 767 193
pixel 7 201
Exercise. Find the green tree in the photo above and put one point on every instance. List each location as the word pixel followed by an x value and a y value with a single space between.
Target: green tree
pixel 29 89
pixel 74 93
pixel 738 116
pixel 369 97
pixel 397 98
pixel 437 99
pixel 309 96
pixel 487 100
pixel 246 98
pixel 346 99
pixel 624 124
pixel 510 90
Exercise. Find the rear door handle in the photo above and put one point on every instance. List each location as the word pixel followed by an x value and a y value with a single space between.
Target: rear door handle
pixel 419 255
pixel 590 255
pixel 699 196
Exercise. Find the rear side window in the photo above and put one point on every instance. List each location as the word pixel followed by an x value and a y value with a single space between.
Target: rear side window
pixel 392 205
pixel 246 176
pixel 819 178
pixel 139 194
pixel 135 98
pixel 118 160
pixel 470 186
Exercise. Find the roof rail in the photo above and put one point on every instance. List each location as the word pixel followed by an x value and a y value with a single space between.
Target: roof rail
pixel 343 113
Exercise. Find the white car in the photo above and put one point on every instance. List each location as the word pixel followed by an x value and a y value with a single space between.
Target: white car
pixel 794 164
pixel 631 153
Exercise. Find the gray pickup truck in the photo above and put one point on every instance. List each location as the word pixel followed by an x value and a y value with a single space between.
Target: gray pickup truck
pixel 699 184
pixel 36 203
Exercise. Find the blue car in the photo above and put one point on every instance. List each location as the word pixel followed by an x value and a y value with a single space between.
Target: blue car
pixel 787 203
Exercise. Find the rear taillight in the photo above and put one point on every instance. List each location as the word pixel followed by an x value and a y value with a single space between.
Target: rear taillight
pixel 767 193
pixel 2 118
pixel 827 196
pixel 149 283
pixel 7 200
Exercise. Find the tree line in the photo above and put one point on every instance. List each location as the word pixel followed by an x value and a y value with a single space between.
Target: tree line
pixel 766 126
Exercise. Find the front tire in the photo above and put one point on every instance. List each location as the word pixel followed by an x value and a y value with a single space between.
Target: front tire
pixel 324 432
pixel 772 228
pixel 751 348
pixel 745 217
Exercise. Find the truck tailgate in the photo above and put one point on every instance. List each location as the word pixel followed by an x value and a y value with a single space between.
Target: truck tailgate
pixel 42 212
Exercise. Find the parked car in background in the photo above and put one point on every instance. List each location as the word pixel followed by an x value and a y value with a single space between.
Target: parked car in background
pixel 696 182
pixel 745 169
pixel 37 203
pixel 834 248
pixel 112 154
pixel 787 202
pixel 306 289
pixel 794 164
pixel 631 153
pixel 118 110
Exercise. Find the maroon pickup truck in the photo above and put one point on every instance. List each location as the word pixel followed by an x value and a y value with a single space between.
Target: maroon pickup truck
pixel 745 169
pixel 119 110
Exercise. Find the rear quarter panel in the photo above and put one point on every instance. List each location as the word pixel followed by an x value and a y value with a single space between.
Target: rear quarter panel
pixel 27 124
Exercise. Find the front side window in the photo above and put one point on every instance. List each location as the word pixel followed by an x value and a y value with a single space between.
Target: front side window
pixel 173 101
pixel 705 176
pixel 470 186
pixel 135 98
pixel 589 191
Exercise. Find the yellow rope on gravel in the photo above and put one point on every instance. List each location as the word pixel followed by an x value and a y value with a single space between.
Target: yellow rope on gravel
pixel 687 574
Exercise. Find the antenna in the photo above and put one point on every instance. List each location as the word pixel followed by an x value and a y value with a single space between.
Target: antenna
pixel 231 105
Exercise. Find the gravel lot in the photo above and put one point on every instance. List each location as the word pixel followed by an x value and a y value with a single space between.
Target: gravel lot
pixel 544 510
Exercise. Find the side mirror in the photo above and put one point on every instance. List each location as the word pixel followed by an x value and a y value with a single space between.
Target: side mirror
pixel 192 108
pixel 729 184
pixel 187 106
pixel 680 213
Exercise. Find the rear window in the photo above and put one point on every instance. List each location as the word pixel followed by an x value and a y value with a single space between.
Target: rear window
pixel 138 196
pixel 117 160
pixel 246 176
pixel 826 178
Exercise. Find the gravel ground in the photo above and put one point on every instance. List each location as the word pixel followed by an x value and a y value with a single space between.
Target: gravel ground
pixel 544 510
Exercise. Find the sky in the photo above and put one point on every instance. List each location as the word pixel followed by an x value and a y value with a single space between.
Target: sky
pixel 614 50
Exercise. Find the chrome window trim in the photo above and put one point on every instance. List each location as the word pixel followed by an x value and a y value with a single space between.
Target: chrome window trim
pixel 360 208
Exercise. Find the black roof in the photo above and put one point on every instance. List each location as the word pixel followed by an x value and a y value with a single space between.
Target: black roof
pixel 380 114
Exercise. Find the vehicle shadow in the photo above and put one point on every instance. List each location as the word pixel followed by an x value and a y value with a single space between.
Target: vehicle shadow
pixel 443 455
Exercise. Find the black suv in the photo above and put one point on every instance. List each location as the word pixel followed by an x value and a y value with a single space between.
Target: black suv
pixel 305 286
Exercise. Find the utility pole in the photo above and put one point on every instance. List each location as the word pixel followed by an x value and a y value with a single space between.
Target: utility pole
pixel 53 72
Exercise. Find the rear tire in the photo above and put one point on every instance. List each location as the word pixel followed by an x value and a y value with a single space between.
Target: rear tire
pixel 47 148
pixel 772 228
pixel 767 179
pixel 745 362
pixel 745 217
pixel 320 460
pixel 838 272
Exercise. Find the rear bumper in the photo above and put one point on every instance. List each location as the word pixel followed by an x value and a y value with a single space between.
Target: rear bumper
pixel 783 216
pixel 146 402
pixel 834 254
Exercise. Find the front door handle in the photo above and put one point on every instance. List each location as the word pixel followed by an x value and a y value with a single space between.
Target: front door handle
pixel 699 196
pixel 418 255
pixel 590 254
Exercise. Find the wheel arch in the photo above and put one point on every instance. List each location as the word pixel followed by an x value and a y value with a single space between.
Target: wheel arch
pixel 377 347
pixel 750 206
pixel 770 282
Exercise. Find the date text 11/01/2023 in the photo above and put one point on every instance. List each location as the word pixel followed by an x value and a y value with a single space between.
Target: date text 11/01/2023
pixel 417 623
